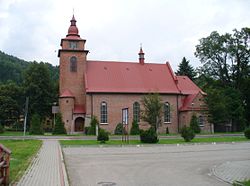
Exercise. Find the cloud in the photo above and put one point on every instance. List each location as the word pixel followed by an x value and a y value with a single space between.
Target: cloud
pixel 114 29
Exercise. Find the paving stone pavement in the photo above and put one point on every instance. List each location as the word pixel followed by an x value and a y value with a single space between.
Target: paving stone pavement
pixel 47 169
pixel 233 171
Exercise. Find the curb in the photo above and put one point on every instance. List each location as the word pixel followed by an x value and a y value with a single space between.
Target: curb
pixel 63 173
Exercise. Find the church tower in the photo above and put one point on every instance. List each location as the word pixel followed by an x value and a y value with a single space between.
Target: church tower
pixel 72 99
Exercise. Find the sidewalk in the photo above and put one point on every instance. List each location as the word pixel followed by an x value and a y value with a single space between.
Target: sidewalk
pixel 47 169
pixel 233 171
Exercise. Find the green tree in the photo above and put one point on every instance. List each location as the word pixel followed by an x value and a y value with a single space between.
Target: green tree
pixel 59 125
pixel 11 100
pixel 92 129
pixel 194 125
pixel 226 59
pixel 135 128
pixel 38 86
pixel 152 110
pixel 36 125
pixel 185 69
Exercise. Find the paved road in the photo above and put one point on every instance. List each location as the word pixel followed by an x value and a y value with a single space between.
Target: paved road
pixel 159 165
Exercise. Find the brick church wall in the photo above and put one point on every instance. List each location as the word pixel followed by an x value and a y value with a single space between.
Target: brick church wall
pixel 116 102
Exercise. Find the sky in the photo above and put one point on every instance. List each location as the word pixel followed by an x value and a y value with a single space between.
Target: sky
pixel 114 29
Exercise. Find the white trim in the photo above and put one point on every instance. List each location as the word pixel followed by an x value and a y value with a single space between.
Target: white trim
pixel 168 122
pixel 104 123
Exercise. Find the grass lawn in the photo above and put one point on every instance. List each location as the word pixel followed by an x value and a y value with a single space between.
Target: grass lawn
pixel 23 152
pixel 162 141
pixel 244 183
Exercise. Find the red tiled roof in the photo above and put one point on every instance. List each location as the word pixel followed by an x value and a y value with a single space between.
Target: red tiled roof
pixel 127 77
pixel 187 102
pixel 79 109
pixel 187 86
pixel 66 94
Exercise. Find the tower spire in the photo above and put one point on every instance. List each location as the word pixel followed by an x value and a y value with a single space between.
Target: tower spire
pixel 141 55
pixel 73 30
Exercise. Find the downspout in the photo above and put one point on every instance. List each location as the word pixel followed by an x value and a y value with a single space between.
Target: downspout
pixel 91 105
pixel 178 118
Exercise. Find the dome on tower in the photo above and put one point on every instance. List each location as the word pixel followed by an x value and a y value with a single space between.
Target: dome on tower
pixel 73 30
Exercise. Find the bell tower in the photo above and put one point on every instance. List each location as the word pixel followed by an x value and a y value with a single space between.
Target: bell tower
pixel 72 92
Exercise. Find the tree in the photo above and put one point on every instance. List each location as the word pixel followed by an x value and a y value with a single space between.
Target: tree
pixel 36 125
pixel 59 125
pixel 38 86
pixel 152 110
pixel 92 129
pixel 185 69
pixel 226 59
pixel 135 128
pixel 11 100
pixel 194 125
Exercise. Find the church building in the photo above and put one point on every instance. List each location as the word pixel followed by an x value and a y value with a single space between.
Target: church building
pixel 103 88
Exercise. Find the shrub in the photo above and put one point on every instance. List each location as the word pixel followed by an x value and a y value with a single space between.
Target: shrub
pixel 247 133
pixel 194 125
pixel 135 128
pixel 149 136
pixel 167 131
pixel 59 125
pixel 187 133
pixel 92 129
pixel 118 129
pixel 36 125
pixel 1 129
pixel 86 129
pixel 103 136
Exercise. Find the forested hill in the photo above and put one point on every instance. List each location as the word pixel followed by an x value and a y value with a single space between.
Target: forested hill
pixel 12 68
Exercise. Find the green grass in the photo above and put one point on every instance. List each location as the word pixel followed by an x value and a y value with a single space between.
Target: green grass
pixel 12 133
pixel 22 154
pixel 244 183
pixel 162 141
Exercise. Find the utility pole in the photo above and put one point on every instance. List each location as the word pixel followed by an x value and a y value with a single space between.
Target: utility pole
pixel 25 115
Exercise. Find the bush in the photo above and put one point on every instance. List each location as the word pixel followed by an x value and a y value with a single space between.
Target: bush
pixel 59 125
pixel 135 128
pixel 103 136
pixel 187 133
pixel 247 133
pixel 149 136
pixel 86 129
pixel 167 131
pixel 118 129
pixel 92 129
pixel 194 125
pixel 36 125
pixel 1 129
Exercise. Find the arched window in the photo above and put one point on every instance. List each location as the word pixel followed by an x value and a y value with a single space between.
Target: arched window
pixel 166 112
pixel 73 64
pixel 104 112
pixel 201 121
pixel 136 112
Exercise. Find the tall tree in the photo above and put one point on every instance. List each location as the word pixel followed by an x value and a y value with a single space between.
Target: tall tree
pixel 226 59
pixel 11 100
pixel 38 86
pixel 152 110
pixel 185 69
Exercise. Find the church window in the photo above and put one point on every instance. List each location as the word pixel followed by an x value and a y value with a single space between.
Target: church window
pixel 136 112
pixel 73 64
pixel 166 113
pixel 201 121
pixel 72 44
pixel 104 112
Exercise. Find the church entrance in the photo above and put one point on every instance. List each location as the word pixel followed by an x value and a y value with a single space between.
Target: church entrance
pixel 79 124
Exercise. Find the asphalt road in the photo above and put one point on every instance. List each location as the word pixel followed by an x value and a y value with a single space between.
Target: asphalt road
pixel 157 165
